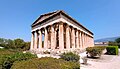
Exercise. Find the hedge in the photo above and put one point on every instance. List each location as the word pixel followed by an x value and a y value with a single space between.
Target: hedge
pixel 45 63
pixel 70 57
pixel 112 50
pixel 95 51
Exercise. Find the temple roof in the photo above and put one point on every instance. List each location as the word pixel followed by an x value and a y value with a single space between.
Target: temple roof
pixel 46 16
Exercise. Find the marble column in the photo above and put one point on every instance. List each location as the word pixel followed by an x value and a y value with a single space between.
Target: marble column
pixel 92 41
pixel 52 38
pixel 77 39
pixel 36 40
pixel 46 39
pixel 67 37
pixel 80 38
pixel 84 40
pixel 32 41
pixel 61 36
pixel 73 38
pixel 40 39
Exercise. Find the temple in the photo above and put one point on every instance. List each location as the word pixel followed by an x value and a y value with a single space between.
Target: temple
pixel 58 32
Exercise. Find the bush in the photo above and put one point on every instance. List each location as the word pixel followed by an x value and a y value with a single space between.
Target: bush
pixel 3 54
pixel 45 63
pixel 70 57
pixel 95 51
pixel 112 50
pixel 8 60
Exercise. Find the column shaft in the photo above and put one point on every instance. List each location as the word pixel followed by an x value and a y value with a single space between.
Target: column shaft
pixel 46 39
pixel 52 38
pixel 32 41
pixel 67 37
pixel 36 40
pixel 80 37
pixel 61 36
pixel 77 39
pixel 40 40
pixel 73 38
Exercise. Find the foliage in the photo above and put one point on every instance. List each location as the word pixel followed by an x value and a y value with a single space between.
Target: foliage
pixel 111 43
pixel 112 50
pixel 45 63
pixel 95 51
pixel 8 60
pixel 18 44
pixel 3 54
pixel 70 57
pixel 117 40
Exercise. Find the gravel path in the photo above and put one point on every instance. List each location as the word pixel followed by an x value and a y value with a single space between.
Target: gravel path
pixel 105 62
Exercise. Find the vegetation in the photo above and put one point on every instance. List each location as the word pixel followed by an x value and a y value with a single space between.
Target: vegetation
pixel 17 44
pixel 45 63
pixel 70 57
pixel 8 57
pixel 95 51
pixel 112 50
pixel 3 54
pixel 115 43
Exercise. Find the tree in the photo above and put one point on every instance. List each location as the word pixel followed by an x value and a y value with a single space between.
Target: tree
pixel 19 43
pixel 111 43
pixel 26 46
pixel 118 41
pixel 10 44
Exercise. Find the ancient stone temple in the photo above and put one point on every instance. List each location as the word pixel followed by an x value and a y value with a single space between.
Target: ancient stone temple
pixel 58 32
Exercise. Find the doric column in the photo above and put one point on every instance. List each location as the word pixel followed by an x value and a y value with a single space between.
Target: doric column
pixel 84 40
pixel 61 36
pixel 80 38
pixel 36 40
pixel 32 41
pixel 73 38
pixel 40 39
pixel 55 41
pixel 89 41
pixel 92 41
pixel 46 39
pixel 77 39
pixel 52 38
pixel 67 37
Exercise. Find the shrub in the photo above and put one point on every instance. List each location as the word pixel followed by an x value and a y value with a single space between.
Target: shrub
pixel 3 54
pixel 10 59
pixel 112 50
pixel 70 57
pixel 95 51
pixel 45 63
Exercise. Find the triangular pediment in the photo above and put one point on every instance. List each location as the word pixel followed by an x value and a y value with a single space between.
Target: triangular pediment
pixel 60 13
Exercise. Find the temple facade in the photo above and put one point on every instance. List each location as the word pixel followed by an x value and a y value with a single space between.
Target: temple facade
pixel 58 32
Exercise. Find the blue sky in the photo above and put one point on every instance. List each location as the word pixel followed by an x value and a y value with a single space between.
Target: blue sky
pixel 102 17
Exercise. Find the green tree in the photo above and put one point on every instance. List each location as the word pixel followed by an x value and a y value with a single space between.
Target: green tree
pixel 26 46
pixel 118 42
pixel 111 43
pixel 19 43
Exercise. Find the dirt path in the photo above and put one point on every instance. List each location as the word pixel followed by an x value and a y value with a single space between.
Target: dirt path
pixel 106 62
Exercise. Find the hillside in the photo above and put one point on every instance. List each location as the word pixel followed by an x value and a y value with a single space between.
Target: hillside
pixel 107 39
